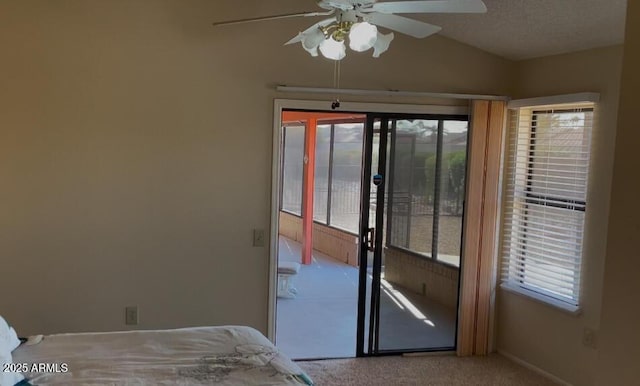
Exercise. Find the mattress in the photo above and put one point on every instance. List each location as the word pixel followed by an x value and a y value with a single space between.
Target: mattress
pixel 225 355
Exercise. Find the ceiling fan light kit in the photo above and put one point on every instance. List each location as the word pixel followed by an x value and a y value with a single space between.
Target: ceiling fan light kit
pixel 358 21
pixel 382 44
pixel 363 36
pixel 333 49
pixel 330 39
pixel 312 41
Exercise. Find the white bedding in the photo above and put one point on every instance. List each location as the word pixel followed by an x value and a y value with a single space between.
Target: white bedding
pixel 227 355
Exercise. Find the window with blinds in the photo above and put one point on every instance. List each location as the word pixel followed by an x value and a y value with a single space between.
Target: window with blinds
pixel 546 200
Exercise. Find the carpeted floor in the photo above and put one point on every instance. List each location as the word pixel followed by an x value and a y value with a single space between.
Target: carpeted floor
pixel 493 370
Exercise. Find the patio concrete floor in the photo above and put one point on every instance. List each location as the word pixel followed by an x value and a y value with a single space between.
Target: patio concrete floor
pixel 321 321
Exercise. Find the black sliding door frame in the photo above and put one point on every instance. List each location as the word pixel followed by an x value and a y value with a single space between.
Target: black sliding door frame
pixel 367 338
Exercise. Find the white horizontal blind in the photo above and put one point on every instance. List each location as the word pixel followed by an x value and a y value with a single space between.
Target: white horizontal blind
pixel 544 213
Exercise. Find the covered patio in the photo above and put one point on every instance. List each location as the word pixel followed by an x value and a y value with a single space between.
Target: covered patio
pixel 320 321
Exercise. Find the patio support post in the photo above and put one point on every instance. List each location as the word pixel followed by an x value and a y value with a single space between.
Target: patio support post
pixel 307 189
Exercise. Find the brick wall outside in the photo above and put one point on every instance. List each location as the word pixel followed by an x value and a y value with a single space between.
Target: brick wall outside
pixel 333 242
pixel 433 280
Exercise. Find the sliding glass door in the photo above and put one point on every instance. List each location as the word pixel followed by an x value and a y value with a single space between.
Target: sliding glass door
pixel 411 232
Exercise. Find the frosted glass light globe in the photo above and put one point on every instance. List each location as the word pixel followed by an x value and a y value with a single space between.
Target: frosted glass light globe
pixel 312 40
pixel 382 44
pixel 332 49
pixel 362 36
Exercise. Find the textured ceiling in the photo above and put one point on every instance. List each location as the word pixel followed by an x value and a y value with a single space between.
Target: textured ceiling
pixel 513 29
pixel 523 29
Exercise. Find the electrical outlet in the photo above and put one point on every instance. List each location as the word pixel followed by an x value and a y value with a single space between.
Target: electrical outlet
pixel 258 237
pixel 131 315
pixel 589 338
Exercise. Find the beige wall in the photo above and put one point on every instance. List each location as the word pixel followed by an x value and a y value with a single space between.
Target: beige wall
pixel 119 121
pixel 539 334
pixel 135 153
pixel 620 331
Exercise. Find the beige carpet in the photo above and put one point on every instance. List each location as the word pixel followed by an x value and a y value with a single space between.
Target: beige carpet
pixel 494 370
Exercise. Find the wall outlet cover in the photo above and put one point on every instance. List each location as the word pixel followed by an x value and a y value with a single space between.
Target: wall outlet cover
pixel 590 338
pixel 258 238
pixel 131 315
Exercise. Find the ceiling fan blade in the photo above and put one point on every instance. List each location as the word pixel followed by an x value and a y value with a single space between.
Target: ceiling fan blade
pixel 429 6
pixel 336 4
pixel 404 25
pixel 275 17
pixel 300 35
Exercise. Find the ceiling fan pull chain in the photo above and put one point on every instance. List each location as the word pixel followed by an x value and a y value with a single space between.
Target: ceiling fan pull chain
pixel 336 83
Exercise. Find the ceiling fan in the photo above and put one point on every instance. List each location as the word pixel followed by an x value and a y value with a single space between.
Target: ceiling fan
pixel 358 20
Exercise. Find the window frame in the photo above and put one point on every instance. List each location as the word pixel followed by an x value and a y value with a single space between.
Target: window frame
pixel 515 283
pixel 327 214
pixel 440 118
pixel 432 255
pixel 532 144
pixel 282 165
pixel 332 123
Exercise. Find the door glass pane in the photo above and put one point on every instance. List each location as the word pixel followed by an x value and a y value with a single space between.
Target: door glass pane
pixel 321 187
pixel 413 192
pixel 293 169
pixel 418 293
pixel 346 176
pixel 452 190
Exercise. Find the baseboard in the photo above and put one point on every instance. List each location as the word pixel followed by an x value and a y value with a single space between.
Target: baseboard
pixel 531 367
